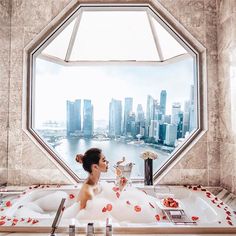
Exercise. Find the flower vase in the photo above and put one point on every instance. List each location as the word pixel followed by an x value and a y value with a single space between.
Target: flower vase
pixel 148 175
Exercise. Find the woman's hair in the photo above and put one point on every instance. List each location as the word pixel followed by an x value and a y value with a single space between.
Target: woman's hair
pixel 90 157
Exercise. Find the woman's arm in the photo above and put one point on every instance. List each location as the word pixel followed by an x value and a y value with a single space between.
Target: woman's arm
pixel 85 195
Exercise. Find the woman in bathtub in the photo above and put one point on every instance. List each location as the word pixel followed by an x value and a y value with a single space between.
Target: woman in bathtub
pixel 94 162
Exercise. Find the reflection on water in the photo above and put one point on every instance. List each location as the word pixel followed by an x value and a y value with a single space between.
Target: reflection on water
pixel 113 150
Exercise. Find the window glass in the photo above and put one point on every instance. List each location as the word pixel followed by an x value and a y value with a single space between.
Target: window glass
pixel 143 101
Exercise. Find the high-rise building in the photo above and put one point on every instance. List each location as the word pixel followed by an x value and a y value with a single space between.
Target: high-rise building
pixel 150 110
pixel 180 126
pixel 154 129
pixel 115 116
pixel 171 134
pixel 130 123
pixel 192 118
pixel 163 102
pixel 139 113
pixel 176 108
pixel 162 132
pixel 127 111
pixel 88 118
pixel 73 117
pixel 186 117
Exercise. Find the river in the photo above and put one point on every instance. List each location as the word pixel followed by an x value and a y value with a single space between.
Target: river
pixel 113 150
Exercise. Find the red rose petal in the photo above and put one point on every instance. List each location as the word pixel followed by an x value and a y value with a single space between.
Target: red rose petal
pixel 230 223
pixel 137 208
pixel 34 222
pixel 164 217
pixel 194 218
pixel 71 196
pixel 128 202
pixel 8 203
pixel 2 217
pixel 2 222
pixel 117 194
pixel 115 189
pixel 109 207
pixel 104 209
pixel 157 217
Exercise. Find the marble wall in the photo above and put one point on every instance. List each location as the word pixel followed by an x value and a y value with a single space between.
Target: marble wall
pixel 227 92
pixel 5 9
pixel 28 164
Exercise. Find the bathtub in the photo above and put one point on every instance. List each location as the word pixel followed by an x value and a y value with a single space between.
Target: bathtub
pixel 206 213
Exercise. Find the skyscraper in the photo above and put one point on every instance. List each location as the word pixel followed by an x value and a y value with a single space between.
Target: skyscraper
pixel 192 119
pixel 163 102
pixel 73 117
pixel 88 118
pixel 176 108
pixel 171 134
pixel 127 111
pixel 150 110
pixel 186 117
pixel 139 113
pixel 115 116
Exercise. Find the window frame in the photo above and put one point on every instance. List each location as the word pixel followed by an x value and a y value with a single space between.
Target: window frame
pixel 175 29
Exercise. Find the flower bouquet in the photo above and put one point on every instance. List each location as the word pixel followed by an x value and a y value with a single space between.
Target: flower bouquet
pixel 148 157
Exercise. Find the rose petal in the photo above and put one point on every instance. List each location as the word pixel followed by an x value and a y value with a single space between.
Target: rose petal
pixel 128 202
pixel 109 207
pixel 137 208
pixel 194 218
pixel 2 222
pixel 8 203
pixel 117 194
pixel 71 196
pixel 104 209
pixel 157 217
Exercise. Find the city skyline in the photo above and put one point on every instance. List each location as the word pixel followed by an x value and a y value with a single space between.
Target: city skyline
pixel 56 85
pixel 153 124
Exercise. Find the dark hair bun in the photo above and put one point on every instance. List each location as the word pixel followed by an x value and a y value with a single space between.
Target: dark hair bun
pixel 79 158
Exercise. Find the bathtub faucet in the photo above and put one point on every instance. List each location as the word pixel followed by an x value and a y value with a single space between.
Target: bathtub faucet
pixel 58 216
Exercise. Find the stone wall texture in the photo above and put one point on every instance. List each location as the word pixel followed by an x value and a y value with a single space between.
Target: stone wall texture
pixel 204 163
pixel 227 92
pixel 5 10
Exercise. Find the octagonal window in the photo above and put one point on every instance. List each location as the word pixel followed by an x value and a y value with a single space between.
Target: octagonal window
pixel 117 78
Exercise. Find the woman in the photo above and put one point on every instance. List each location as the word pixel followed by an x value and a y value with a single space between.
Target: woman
pixel 94 162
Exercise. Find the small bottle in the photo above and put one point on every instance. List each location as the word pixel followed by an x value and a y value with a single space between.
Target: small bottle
pixel 90 229
pixel 108 230
pixel 72 227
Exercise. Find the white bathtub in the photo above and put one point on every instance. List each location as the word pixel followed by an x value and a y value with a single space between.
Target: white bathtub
pixel 214 215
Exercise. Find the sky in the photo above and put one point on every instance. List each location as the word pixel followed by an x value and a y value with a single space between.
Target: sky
pixel 54 84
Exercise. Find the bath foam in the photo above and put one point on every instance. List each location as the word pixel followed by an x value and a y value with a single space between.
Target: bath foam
pixel 131 205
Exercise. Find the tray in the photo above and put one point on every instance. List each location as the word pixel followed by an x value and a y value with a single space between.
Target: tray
pixel 163 207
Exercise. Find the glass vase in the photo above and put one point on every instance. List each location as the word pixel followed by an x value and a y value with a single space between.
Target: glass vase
pixel 148 172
